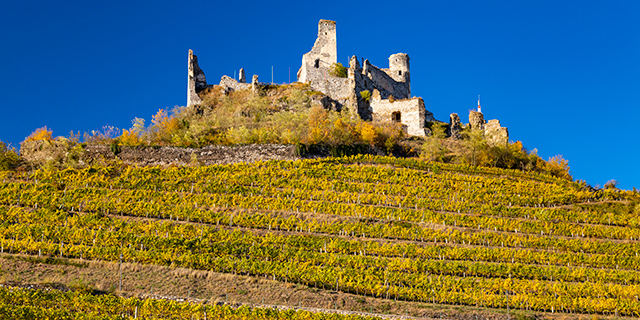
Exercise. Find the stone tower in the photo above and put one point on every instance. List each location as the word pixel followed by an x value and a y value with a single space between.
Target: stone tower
pixel 323 54
pixel 399 65
pixel 399 70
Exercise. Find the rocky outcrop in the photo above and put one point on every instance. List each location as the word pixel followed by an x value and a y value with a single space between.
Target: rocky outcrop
pixel 455 127
pixel 476 120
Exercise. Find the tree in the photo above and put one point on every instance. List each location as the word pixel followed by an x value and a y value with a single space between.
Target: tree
pixel 433 148
pixel 164 126
pixel 476 145
pixel 559 167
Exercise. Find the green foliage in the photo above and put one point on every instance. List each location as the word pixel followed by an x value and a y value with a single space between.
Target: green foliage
pixel 9 158
pixel 115 148
pixel 434 149
pixel 366 95
pixel 338 70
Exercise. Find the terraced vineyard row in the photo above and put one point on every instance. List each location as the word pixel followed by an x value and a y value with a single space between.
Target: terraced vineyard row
pixel 375 226
pixel 16 303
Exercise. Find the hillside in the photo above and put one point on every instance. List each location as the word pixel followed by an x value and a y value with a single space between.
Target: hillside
pixel 373 234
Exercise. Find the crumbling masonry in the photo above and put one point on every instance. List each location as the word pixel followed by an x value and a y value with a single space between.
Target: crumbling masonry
pixel 371 92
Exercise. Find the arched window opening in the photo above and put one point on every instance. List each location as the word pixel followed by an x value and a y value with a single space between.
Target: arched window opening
pixel 400 72
pixel 396 117
pixel 317 63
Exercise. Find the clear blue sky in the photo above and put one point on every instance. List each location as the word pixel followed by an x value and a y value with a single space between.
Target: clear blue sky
pixel 563 76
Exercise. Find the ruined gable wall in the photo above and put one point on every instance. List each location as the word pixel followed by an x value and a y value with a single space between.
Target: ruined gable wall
pixel 195 79
pixel 413 114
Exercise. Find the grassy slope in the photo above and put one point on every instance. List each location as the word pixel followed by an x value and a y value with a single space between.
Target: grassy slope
pixel 469 223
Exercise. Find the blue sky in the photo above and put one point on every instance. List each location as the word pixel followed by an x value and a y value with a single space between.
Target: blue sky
pixel 563 76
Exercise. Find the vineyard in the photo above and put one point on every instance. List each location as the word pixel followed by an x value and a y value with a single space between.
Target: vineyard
pixel 377 227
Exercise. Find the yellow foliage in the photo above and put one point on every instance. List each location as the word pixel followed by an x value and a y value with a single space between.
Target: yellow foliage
pixel 318 125
pixel 130 137
pixel 559 167
pixel 164 126
pixel 368 133
pixel 40 134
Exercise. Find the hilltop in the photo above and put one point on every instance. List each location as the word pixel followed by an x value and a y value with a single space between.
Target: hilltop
pixel 291 116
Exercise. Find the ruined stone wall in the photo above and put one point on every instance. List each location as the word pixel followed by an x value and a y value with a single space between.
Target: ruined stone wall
pixel 230 84
pixel 335 87
pixel 183 156
pixel 410 112
pixel 371 78
pixel 376 78
pixel 495 134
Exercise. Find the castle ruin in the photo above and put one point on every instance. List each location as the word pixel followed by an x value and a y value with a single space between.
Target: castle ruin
pixel 389 90
pixel 373 93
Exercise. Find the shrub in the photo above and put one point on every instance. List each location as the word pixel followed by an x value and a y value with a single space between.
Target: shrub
pixel 338 70
pixel 366 95
pixel 611 184
pixel 559 167
pixel 368 133
pixel 163 127
pixel 130 137
pixel 9 158
pixel 40 134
